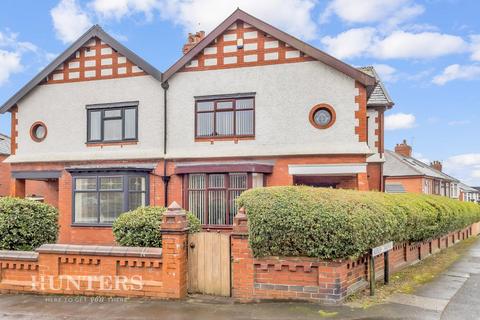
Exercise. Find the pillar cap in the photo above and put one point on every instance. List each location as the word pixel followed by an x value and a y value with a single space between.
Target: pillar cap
pixel 174 219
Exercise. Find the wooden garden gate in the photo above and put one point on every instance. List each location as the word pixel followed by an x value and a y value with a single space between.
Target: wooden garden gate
pixel 209 263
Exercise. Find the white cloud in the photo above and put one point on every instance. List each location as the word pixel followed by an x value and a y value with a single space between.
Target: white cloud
pixel 119 8
pixel 475 47
pixel 11 53
pixel 457 72
pixel 424 45
pixel 387 73
pixel 397 45
pixel 465 167
pixel 10 62
pixel 399 121
pixel 69 20
pixel 458 122
pixel 419 156
pixel 351 43
pixel 390 13
pixel 293 16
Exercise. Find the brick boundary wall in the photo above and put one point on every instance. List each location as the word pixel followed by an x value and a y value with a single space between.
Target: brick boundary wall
pixel 310 279
pixel 104 270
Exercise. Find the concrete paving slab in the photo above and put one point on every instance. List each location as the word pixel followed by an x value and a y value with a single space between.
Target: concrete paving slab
pixel 421 302
pixel 444 287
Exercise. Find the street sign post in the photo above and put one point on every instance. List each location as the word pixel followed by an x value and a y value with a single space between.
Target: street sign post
pixel 384 248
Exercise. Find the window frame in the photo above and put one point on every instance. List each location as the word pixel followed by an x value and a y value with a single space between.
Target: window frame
pixel 233 109
pixel 103 118
pixel 125 190
pixel 228 214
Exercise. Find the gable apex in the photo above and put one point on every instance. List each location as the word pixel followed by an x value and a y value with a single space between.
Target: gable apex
pixel 307 49
pixel 94 32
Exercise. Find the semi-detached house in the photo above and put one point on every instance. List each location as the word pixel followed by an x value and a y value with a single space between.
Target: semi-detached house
pixel 245 106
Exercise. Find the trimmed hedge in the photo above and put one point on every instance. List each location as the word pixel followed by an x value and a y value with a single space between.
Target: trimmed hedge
pixel 338 224
pixel 26 225
pixel 141 227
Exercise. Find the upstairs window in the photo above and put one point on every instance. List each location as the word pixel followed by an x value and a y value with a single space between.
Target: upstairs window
pixel 112 123
pixel 225 117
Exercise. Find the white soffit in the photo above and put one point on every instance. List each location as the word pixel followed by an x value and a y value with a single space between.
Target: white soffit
pixel 327 169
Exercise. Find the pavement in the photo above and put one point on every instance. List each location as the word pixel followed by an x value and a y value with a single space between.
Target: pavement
pixel 454 295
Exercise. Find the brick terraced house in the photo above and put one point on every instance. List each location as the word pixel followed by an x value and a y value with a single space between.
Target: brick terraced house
pixel 403 173
pixel 245 106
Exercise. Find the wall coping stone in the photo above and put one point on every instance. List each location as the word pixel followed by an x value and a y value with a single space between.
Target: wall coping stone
pixel 18 255
pixel 92 250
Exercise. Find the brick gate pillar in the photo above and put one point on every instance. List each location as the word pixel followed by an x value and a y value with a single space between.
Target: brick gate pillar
pixel 242 260
pixel 174 230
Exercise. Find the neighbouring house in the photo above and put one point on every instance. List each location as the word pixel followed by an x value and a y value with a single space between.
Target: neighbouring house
pixel 403 173
pixel 468 193
pixel 245 106
pixel 4 167
pixel 38 190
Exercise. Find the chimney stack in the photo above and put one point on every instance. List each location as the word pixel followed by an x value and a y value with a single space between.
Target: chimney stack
pixel 192 40
pixel 437 165
pixel 404 149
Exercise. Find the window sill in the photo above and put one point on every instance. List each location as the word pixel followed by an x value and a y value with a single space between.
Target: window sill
pixel 213 139
pixel 113 143
pixel 90 225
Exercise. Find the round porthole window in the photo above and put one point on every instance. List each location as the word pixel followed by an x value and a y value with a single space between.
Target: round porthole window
pixel 38 131
pixel 322 116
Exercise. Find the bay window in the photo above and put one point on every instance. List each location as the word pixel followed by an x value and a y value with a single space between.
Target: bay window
pixel 100 199
pixel 212 197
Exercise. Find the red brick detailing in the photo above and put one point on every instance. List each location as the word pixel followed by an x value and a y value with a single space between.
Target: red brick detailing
pixel 303 278
pixel 14 130
pixel 380 130
pixel 72 234
pixel 374 173
pixel 4 176
pixel 75 69
pixel 222 57
pixel 361 113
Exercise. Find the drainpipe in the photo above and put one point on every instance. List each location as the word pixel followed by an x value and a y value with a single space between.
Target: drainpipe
pixel 165 177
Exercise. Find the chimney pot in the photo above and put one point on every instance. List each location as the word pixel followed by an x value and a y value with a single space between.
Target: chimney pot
pixel 192 40
pixel 403 149
pixel 437 165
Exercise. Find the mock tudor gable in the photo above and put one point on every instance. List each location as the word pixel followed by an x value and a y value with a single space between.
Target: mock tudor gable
pixel 72 66
pixel 95 60
pixel 226 47
pixel 243 45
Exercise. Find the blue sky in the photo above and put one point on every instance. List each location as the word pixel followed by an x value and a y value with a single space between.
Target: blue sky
pixel 427 52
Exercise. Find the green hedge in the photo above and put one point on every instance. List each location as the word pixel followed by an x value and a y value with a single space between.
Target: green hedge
pixel 141 227
pixel 336 224
pixel 26 224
